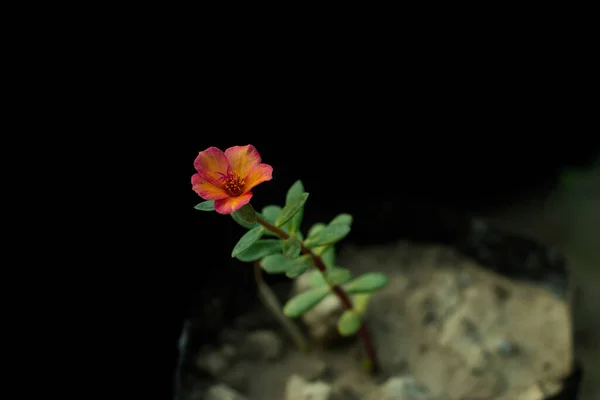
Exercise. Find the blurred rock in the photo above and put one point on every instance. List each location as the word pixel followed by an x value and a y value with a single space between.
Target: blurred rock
pixel 445 328
pixel 533 393
pixel 298 388
pixel 222 392
pixel 354 383
pixel 228 351
pixel 402 388
pixel 484 337
pixel 550 388
pixel 311 368
pixel 236 376
pixel 213 361
pixel 262 345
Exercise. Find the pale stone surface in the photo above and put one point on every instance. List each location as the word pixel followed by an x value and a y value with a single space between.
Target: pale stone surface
pixel 262 345
pixel 223 392
pixel 236 376
pixel 402 388
pixel 470 333
pixel 471 343
pixel 354 381
pixel 445 328
pixel 533 393
pixel 213 361
pixel 298 388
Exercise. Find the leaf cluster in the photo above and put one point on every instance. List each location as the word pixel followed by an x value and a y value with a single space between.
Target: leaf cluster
pixel 293 256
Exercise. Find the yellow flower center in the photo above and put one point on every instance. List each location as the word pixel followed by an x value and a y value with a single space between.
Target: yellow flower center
pixel 234 185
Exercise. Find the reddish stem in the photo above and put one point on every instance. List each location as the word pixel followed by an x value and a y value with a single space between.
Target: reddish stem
pixel 363 332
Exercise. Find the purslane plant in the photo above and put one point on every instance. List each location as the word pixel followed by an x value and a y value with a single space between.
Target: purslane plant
pixel 275 242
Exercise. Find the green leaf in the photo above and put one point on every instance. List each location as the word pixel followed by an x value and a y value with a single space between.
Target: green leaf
pixel 327 255
pixel 208 205
pixel 247 240
pixel 338 275
pixel 316 279
pixel 276 264
pixel 301 265
pixel 320 250
pixel 297 270
pixel 361 301
pixel 237 219
pixel 297 189
pixel 291 248
pixel 328 235
pixel 260 249
pixel 335 276
pixel 291 208
pixel 271 212
pixel 246 214
pixel 240 221
pixel 349 323
pixel 342 219
pixel 367 283
pixel 305 301
pixel 316 228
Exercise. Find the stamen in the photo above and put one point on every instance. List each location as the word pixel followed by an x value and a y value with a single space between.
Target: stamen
pixel 234 185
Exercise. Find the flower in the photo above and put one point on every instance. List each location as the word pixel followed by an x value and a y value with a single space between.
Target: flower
pixel 227 177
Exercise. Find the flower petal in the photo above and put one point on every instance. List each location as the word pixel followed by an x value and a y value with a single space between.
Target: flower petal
pixel 211 164
pixel 231 204
pixel 259 174
pixel 242 158
pixel 207 190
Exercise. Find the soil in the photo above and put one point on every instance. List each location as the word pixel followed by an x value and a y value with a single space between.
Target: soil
pixel 445 327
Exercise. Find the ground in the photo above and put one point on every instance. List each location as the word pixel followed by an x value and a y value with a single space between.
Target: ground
pixel 445 328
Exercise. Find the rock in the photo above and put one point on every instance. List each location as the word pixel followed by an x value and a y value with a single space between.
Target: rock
pixel 533 393
pixel 402 388
pixel 298 388
pixel 460 331
pixel 212 362
pixel 354 383
pixel 262 345
pixel 551 388
pixel 485 336
pixel 311 369
pixel 521 337
pixel 228 351
pixel 236 376
pixel 223 392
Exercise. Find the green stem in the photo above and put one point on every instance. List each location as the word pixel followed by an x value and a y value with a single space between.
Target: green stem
pixel 363 332
pixel 270 301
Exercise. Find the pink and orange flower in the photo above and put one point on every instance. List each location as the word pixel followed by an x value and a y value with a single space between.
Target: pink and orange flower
pixel 227 177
